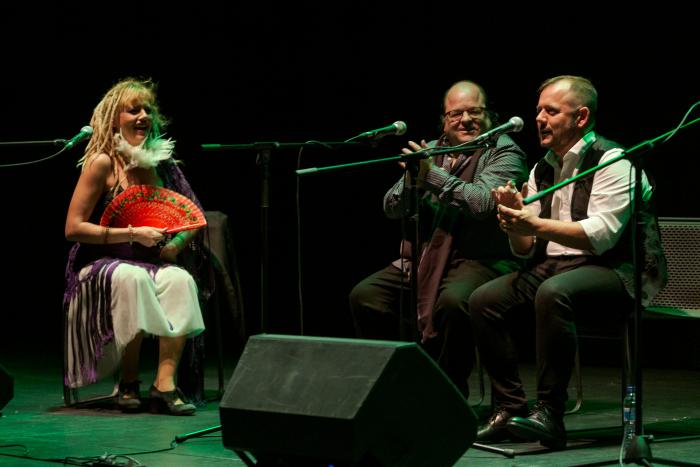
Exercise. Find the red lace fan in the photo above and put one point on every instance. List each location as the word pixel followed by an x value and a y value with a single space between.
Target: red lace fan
pixel 153 206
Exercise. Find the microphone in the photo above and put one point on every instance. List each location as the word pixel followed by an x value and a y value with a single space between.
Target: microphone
pixel 396 128
pixel 85 133
pixel 515 124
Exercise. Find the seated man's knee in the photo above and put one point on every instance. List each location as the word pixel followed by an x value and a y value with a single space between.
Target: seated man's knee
pixel 550 294
pixel 356 294
pixel 361 295
pixel 478 300
pixel 551 297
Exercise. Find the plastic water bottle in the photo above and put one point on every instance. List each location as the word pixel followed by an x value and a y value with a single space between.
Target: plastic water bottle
pixel 629 412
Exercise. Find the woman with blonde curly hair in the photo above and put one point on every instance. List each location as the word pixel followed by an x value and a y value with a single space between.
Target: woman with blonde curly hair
pixel 123 283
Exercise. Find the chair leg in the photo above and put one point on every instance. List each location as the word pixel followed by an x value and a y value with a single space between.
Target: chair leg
pixel 576 375
pixel 480 373
pixel 219 346
pixel 71 396
pixel 579 385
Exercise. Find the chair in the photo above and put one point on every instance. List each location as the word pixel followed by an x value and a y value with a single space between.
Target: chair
pixel 227 295
pixel 679 299
pixel 227 286
pixel 224 293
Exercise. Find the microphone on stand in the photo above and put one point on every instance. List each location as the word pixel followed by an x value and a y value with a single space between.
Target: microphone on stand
pixel 514 125
pixel 396 128
pixel 85 133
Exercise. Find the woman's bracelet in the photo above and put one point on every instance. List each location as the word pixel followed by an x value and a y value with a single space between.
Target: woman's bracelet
pixel 131 235
pixel 106 234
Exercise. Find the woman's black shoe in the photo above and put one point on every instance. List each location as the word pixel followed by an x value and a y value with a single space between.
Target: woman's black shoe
pixel 164 402
pixel 128 399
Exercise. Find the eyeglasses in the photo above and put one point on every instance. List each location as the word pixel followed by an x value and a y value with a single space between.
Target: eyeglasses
pixel 473 112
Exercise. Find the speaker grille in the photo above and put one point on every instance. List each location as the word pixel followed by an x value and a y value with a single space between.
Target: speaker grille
pixel 681 243
pixel 315 401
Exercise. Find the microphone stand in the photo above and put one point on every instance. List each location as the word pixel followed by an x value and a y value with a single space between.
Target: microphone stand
pixel 179 439
pixel 22 144
pixel 264 154
pixel 412 225
pixel 636 449
pixel 54 142
pixel 412 214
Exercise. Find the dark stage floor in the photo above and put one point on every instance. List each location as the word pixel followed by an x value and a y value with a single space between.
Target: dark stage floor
pixel 36 424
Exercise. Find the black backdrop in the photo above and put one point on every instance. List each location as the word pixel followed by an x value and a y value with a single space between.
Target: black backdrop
pixel 241 74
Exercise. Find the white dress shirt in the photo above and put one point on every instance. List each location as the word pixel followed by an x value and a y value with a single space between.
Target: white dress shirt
pixel 609 206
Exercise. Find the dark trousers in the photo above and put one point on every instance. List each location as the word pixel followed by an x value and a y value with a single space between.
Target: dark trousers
pixel 375 301
pixel 558 289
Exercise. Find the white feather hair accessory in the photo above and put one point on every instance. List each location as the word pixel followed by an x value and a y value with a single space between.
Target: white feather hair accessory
pixel 138 156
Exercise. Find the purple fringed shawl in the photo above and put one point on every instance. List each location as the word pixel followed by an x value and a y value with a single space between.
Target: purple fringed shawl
pixel 436 252
pixel 90 329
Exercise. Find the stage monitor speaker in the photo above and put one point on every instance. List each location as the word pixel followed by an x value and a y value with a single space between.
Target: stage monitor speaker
pixel 681 241
pixel 311 401
pixel 6 388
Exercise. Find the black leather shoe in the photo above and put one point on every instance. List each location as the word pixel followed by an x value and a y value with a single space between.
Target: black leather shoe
pixel 494 429
pixel 165 402
pixel 128 399
pixel 542 425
